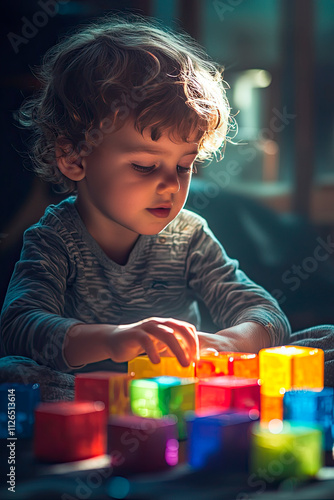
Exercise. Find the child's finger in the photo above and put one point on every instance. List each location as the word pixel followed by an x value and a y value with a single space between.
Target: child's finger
pixel 188 333
pixel 163 333
pixel 149 347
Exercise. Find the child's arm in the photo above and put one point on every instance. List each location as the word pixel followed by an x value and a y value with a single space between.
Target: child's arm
pixel 32 317
pixel 90 343
pixel 247 317
pixel 246 337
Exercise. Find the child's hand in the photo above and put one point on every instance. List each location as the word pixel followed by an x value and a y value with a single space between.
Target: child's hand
pixel 153 335
pixel 246 337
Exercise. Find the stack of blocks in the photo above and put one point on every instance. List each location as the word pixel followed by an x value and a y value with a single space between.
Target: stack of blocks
pixel 138 417
pixel 160 396
pixel 284 368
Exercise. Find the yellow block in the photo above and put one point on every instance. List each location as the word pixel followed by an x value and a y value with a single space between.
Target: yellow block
pixel 142 367
pixel 271 408
pixel 290 367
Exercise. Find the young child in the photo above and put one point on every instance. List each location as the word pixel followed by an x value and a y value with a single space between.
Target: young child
pixel 125 109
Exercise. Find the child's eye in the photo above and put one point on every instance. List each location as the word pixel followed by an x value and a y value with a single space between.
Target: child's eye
pixel 187 170
pixel 142 168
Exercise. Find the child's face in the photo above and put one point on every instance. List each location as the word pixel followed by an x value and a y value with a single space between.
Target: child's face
pixel 135 182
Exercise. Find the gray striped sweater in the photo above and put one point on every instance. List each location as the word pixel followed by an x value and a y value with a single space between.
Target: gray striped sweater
pixel 63 277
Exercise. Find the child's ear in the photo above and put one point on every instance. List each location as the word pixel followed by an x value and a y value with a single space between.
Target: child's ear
pixel 69 161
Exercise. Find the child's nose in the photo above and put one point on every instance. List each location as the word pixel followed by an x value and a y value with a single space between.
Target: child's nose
pixel 169 182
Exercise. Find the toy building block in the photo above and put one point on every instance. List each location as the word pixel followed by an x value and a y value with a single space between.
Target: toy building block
pixel 18 403
pixel 109 387
pixel 219 441
pixel 138 444
pixel 271 408
pixel 161 396
pixel 239 364
pixel 228 392
pixel 285 449
pixel 312 407
pixel 142 367
pixel 70 430
pixel 290 367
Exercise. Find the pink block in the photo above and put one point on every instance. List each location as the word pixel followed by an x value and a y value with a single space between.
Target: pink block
pixel 228 392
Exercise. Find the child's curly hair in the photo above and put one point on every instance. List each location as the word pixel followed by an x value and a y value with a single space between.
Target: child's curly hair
pixel 119 68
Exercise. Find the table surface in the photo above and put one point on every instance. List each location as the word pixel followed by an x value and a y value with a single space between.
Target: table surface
pixel 94 480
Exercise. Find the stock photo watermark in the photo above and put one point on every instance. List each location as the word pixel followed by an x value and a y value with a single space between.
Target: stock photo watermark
pixel 31 27
pixel 223 7
pixel 259 480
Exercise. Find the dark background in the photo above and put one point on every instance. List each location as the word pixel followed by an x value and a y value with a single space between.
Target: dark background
pixel 271 224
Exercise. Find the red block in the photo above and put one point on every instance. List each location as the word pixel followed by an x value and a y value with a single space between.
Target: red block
pixel 140 444
pixel 109 387
pixel 68 431
pixel 228 392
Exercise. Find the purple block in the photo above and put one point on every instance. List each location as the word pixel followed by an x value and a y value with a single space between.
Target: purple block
pixel 139 444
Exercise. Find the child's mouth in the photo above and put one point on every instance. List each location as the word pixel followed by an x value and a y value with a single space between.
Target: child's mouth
pixel 159 212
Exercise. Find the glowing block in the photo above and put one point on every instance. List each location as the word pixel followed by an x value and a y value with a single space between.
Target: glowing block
pixel 138 444
pixel 228 392
pixel 271 408
pixel 17 403
pixel 285 449
pixel 314 407
pixel 67 431
pixel 219 441
pixel 239 364
pixel 290 367
pixel 141 367
pixel 109 387
pixel 161 396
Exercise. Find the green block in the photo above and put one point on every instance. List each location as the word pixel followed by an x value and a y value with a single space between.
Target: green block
pixel 159 396
pixel 285 449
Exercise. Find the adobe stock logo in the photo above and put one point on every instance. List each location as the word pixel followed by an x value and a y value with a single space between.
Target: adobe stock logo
pixel 30 28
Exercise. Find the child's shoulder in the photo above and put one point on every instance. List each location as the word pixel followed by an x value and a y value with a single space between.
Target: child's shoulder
pixel 58 218
pixel 59 214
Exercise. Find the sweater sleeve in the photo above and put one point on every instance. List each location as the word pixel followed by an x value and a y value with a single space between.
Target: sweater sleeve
pixel 230 296
pixel 32 321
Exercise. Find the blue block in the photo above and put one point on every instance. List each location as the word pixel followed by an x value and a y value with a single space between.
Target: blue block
pixel 219 441
pixel 312 406
pixel 17 405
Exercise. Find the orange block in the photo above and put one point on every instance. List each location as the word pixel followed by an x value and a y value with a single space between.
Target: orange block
pixel 142 367
pixel 290 367
pixel 109 387
pixel 239 364
pixel 271 408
